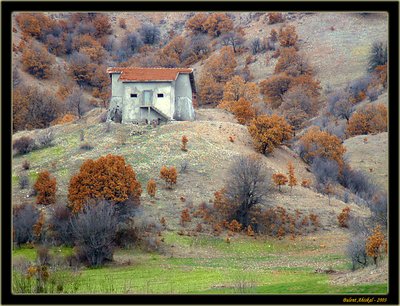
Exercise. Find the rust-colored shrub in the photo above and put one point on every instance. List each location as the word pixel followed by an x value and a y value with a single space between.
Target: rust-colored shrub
pixel 196 24
pixel 185 216
pixel 288 36
pixel 234 226
pixel 306 183
pixel 375 244
pixel 170 176
pixel 274 88
pixel 184 143
pixel 122 23
pixel 314 220
pixel 316 143
pixel 67 118
pixel 151 188
pixel 275 18
pixel 37 61
pixel 293 63
pixel 343 217
pixel 45 188
pixel 231 139
pixel 268 132
pixel 292 177
pixel 250 231
pixel 199 228
pixel 372 119
pixel 108 177
pixel 279 179
pixel 217 24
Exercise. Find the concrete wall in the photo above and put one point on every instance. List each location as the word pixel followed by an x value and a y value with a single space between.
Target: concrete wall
pixel 183 98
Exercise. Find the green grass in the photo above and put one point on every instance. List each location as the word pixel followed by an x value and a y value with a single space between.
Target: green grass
pixel 245 266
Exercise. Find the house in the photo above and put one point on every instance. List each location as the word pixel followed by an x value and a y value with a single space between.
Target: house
pixel 147 94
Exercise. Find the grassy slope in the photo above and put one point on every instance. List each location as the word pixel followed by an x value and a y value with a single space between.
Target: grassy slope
pixel 203 264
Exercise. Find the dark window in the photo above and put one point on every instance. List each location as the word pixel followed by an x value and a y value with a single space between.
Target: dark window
pixel 160 95
pixel 133 95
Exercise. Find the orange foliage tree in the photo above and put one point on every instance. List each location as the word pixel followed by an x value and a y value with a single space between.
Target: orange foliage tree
pixel 268 132
pixel 184 143
pixel 37 61
pixel 319 143
pixel 239 97
pixel 375 243
pixel 218 23
pixel 292 177
pixel 45 187
pixel 343 217
pixel 218 70
pixel 279 179
pixel 288 36
pixel 275 18
pixel 34 24
pixel 108 178
pixel 293 63
pixel 274 88
pixel 151 188
pixel 170 176
pixel 244 111
pixel 371 119
pixel 102 25
pixel 185 216
pixel 196 24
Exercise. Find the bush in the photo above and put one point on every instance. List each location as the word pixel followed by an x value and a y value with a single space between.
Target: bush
pixel 184 143
pixel 279 179
pixel 122 23
pixel 217 24
pixel 269 132
pixel 151 188
pixel 23 145
pixel 45 139
pixel 196 24
pixel 326 171
pixel 150 34
pixel 246 186
pixel 45 188
pixel 95 240
pixel 371 119
pixel 274 88
pixel 86 146
pixel 340 105
pixel 292 63
pixel 108 177
pixel 288 36
pixel 357 252
pixel 169 176
pixel 25 216
pixel 23 182
pixel 26 165
pixel 378 55
pixel 37 61
pixel 257 46
pixel 275 18
pixel 316 143
pixel 343 217
pixel 359 183
pixel 60 225
pixel 375 244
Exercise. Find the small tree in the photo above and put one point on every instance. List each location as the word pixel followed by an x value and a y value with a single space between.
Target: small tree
pixel 246 186
pixel 279 179
pixel 292 177
pixel 375 244
pixel 319 143
pixel 288 36
pixel 268 132
pixel 275 18
pixel 169 176
pixel 45 187
pixel 371 119
pixel 378 55
pixel 94 230
pixel 184 143
pixel 274 88
pixel 108 177
pixel 217 24
pixel 196 24
pixel 37 61
pixel 343 217
pixel 151 188
pixel 185 216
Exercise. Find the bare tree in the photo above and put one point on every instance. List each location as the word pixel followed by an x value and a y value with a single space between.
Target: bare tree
pixel 94 231
pixel 76 102
pixel 247 185
pixel 232 39
pixel 25 216
pixel 150 34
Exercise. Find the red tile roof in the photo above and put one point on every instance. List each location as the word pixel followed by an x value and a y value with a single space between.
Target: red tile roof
pixel 136 74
